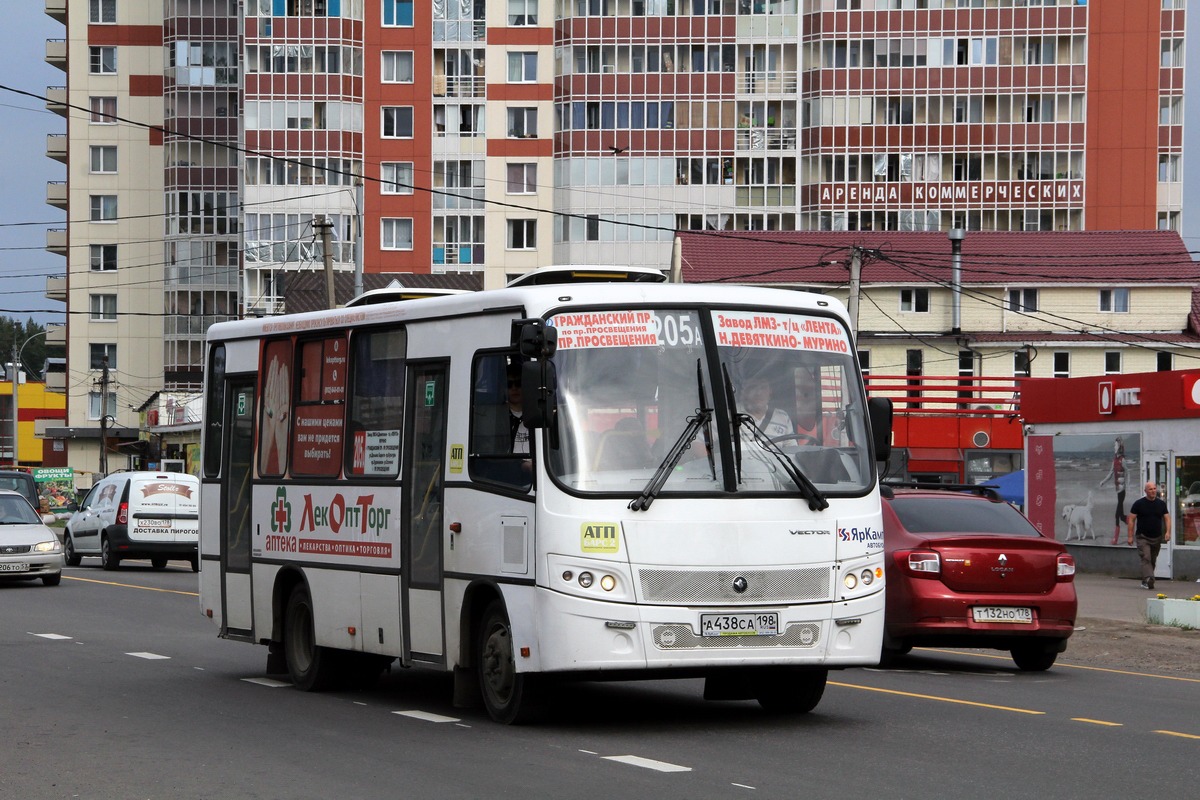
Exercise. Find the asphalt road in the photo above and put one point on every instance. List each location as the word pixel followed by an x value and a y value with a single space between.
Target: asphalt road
pixel 114 686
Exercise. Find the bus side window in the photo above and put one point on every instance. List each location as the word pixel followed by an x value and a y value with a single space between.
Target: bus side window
pixel 491 456
pixel 376 397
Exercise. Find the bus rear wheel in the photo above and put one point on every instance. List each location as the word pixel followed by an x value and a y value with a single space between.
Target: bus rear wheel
pixel 311 668
pixel 791 691
pixel 508 696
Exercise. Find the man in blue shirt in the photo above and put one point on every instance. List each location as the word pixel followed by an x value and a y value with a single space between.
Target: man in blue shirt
pixel 1153 526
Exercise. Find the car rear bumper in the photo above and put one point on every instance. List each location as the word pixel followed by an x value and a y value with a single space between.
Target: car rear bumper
pixel 935 616
pixel 126 547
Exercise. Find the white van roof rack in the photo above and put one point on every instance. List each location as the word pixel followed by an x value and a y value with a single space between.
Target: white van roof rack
pixel 589 274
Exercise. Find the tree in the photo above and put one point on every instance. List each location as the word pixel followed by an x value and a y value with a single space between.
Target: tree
pixel 35 353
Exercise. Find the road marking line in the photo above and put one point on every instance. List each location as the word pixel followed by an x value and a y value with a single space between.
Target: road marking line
pixel 49 635
pixel 1069 666
pixel 1097 722
pixel 648 763
pixel 270 683
pixel 1180 735
pixel 425 715
pixel 744 786
pixel 148 656
pixel 934 697
pixel 131 586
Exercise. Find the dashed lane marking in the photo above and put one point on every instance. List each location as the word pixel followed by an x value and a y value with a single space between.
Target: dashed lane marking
pixel 648 763
pixel 1068 666
pixel 935 697
pixel 148 656
pixel 270 683
pixel 1097 722
pixel 425 715
pixel 55 636
pixel 1180 735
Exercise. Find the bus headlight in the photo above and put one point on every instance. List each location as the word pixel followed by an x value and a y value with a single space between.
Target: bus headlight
pixel 586 579
pixel 851 580
pixel 608 583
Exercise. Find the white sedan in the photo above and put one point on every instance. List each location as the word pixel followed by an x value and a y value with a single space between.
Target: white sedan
pixel 28 549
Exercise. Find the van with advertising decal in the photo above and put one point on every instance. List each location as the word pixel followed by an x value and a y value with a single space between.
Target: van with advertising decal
pixel 154 515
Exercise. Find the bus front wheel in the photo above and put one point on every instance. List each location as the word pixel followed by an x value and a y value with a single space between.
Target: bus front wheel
pixel 791 691
pixel 311 668
pixel 508 695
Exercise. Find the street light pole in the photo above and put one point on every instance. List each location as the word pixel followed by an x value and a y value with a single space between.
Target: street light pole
pixel 18 354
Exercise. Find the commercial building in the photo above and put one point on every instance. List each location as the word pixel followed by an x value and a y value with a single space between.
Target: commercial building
pixel 215 147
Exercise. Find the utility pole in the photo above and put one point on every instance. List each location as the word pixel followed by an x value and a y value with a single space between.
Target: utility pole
pixel 360 241
pixel 322 223
pixel 956 239
pixel 16 379
pixel 855 288
pixel 104 417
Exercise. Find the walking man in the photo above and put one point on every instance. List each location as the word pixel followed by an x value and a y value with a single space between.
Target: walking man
pixel 1153 526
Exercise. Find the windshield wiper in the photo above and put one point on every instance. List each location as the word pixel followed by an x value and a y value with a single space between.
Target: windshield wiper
pixel 733 417
pixel 816 499
pixel 702 419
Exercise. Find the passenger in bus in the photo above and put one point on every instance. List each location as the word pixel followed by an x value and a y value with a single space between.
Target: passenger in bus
pixel 518 434
pixel 754 398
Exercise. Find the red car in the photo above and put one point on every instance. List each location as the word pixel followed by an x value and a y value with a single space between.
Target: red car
pixel 966 569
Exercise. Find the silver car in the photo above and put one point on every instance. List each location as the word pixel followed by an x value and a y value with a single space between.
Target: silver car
pixel 28 549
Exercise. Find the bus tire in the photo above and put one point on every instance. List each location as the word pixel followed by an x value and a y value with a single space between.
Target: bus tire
pixel 108 559
pixel 791 691
pixel 311 668
pixel 508 696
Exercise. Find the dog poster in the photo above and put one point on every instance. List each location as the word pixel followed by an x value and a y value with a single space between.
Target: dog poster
pixel 1095 480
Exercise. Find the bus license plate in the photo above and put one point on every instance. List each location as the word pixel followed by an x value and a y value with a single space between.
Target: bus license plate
pixel 15 566
pixel 755 623
pixel 1002 614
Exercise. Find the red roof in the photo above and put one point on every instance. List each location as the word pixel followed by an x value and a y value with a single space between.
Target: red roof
pixel 817 258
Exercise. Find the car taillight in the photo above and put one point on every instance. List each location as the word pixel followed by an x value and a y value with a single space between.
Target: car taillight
pixel 924 562
pixel 123 513
pixel 1066 566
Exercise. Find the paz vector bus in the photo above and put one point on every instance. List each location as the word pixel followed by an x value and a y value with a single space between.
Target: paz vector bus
pixel 572 477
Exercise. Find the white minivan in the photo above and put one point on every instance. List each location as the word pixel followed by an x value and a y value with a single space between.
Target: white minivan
pixel 154 515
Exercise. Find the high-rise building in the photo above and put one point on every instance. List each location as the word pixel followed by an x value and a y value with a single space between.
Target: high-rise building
pixel 216 146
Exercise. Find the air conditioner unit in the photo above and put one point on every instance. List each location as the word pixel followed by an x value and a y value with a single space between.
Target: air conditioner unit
pixel 172 465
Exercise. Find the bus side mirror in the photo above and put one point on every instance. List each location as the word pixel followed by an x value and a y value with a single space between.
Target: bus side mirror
pixel 536 339
pixel 879 410
pixel 539 393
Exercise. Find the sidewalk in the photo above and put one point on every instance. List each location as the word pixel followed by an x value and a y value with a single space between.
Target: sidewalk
pixel 1124 599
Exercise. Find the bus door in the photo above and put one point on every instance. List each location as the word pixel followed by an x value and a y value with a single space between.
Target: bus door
pixel 422 515
pixel 236 529
pixel 1156 466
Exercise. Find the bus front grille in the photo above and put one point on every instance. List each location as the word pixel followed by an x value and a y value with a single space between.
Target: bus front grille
pixel 695 587
pixel 682 637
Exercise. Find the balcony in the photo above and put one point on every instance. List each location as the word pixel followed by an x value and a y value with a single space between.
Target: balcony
pixel 56 100
pixel 56 242
pixel 56 335
pixel 56 288
pixel 57 9
pixel 56 53
pixel 56 194
pixel 56 146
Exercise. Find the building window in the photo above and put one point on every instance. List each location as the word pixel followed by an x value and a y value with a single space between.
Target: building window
pixel 522 123
pixel 1022 299
pixel 102 60
pixel 522 234
pixel 397 122
pixel 1062 364
pixel 397 234
pixel 396 177
pixel 104 157
pixel 915 300
pixel 103 257
pixel 104 207
pixel 398 13
pixel 914 366
pixel 1116 300
pixel 1164 362
pixel 522 12
pixel 103 307
pixel 94 409
pixel 1021 364
pixel 397 66
pixel 522 67
pixel 1112 362
pixel 102 11
pixel 522 179
pixel 104 109
pixel 98 352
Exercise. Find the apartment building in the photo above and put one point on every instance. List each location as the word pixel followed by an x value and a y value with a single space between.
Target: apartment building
pixel 215 147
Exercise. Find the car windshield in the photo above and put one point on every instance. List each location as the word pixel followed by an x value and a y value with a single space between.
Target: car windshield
pixel 17 511
pixel 636 385
pixel 958 515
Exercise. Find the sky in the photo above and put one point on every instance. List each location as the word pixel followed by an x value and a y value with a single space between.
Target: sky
pixel 24 167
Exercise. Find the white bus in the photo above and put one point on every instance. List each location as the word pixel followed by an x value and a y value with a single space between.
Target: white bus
pixel 551 480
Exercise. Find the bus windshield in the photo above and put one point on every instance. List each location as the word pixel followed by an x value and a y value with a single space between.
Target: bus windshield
pixel 773 392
